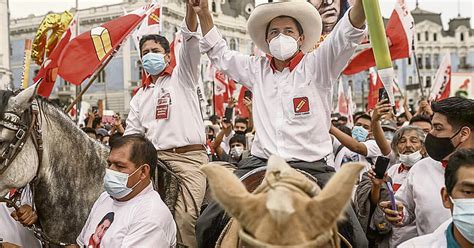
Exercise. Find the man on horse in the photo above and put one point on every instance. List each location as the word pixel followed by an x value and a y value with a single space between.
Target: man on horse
pixel 167 111
pixel 292 86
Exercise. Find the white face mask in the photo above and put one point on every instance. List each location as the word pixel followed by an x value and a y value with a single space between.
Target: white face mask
pixel 283 47
pixel 115 183
pixel 236 152
pixel 463 217
pixel 410 159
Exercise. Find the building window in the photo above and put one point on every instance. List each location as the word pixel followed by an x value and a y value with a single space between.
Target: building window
pixel 462 37
pixel 435 60
pixel 214 6
pixel 418 36
pixel 428 82
pixel 435 37
pixel 462 62
pixel 426 36
pixel 427 61
pixel 101 77
pixel 233 45
pixel 420 61
pixel 409 60
pixel 410 80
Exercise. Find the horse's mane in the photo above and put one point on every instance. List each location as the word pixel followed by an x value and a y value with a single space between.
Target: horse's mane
pixel 5 95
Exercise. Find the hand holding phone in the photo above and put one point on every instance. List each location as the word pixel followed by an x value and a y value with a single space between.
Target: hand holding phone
pixel 383 95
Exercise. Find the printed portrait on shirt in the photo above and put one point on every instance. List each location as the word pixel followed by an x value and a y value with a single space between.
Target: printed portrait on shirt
pixel 101 229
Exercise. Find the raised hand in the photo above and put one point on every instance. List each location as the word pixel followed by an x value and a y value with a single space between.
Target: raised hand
pixel 381 109
pixel 392 216
pixel 199 6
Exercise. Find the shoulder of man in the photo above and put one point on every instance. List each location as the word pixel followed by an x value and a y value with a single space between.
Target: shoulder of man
pixel 435 239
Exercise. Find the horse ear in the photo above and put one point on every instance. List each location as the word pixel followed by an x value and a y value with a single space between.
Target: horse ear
pixel 23 100
pixel 330 203
pixel 227 189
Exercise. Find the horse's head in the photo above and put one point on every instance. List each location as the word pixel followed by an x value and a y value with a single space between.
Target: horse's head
pixel 18 165
pixel 287 209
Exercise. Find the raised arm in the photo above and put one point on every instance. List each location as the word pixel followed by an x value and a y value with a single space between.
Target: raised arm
pixel 349 142
pixel 357 15
pixel 381 109
pixel 235 65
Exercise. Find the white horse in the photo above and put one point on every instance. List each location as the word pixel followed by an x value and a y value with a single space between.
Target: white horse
pixel 65 166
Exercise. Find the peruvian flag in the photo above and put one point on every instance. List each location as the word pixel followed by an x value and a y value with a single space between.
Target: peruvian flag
pixel 49 69
pixel 374 85
pixel 400 30
pixel 442 80
pixel 83 55
pixel 342 107
pixel 150 25
pixel 220 90
pixel 243 111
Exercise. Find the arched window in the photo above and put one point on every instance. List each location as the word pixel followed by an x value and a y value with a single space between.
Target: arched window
pixel 233 45
pixel 214 6
pixel 462 37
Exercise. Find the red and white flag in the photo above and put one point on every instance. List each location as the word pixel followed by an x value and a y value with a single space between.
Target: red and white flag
pixel 241 107
pixel 83 55
pixel 374 85
pixel 400 30
pixel 442 80
pixel 49 69
pixel 342 107
pixel 152 24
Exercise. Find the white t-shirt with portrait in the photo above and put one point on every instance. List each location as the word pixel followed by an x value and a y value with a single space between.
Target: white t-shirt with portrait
pixel 143 221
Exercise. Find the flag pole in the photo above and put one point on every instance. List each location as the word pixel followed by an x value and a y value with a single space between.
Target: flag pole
pixel 420 83
pixel 78 88
pixel 96 75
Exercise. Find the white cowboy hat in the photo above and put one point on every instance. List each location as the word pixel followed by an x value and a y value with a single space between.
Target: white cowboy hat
pixel 305 13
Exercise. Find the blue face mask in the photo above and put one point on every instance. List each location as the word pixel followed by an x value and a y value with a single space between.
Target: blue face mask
pixel 359 133
pixel 463 217
pixel 115 183
pixel 154 63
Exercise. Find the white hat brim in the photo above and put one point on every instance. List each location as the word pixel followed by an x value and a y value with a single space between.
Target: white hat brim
pixel 305 13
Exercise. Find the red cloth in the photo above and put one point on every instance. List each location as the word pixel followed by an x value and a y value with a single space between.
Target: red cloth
pixel 84 54
pixel 374 85
pixel 244 112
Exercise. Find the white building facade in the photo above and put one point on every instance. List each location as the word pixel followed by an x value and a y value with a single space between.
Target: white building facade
pixel 5 73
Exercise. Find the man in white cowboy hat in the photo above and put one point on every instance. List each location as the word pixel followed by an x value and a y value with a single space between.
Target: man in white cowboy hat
pixel 292 87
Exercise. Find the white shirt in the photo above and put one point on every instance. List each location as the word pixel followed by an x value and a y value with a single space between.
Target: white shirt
pixel 185 125
pixel 143 221
pixel 398 174
pixel 435 239
pixel 12 231
pixel 346 155
pixel 421 197
pixel 291 109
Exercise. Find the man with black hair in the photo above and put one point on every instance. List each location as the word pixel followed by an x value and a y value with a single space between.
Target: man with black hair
pixel 140 217
pixel 423 122
pixel 167 111
pixel 458 196
pixel 417 199
pixel 359 146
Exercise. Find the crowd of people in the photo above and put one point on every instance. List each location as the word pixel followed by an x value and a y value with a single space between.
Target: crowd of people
pixel 417 188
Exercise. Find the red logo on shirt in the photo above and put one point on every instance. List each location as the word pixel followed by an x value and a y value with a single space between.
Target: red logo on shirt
pixel 301 105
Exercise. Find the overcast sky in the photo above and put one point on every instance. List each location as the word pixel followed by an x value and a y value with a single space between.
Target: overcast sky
pixel 448 8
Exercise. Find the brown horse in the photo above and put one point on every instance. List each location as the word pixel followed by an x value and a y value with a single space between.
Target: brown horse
pixel 286 210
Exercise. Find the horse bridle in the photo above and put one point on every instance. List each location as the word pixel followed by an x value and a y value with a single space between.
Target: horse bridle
pixel 23 129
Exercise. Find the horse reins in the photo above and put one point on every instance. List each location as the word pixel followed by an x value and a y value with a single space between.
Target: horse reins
pixel 12 121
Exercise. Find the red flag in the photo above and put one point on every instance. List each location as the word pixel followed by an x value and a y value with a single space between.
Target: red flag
pixel 85 53
pixel 342 107
pixel 49 69
pixel 244 113
pixel 374 85
pixel 400 29
pixel 442 80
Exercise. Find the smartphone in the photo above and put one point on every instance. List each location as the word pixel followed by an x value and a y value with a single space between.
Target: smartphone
pixel 383 95
pixel 248 94
pixel 381 166
pixel 391 195
pixel 229 113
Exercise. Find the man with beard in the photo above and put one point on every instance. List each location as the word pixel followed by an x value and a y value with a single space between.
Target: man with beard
pixel 331 12
pixel 418 200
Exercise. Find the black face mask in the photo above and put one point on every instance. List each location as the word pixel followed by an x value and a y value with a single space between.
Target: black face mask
pixel 210 137
pixel 240 132
pixel 440 147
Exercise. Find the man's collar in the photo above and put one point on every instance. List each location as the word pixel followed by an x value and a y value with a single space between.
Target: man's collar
pixel 166 72
pixel 403 168
pixel 293 62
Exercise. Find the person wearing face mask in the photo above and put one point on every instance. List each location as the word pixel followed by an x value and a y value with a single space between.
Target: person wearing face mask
pixel 291 86
pixel 458 197
pixel 140 217
pixel 417 199
pixel 360 147
pixel 237 145
pixel 167 111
